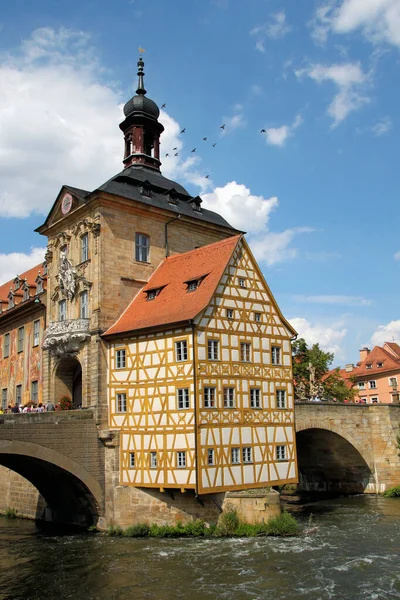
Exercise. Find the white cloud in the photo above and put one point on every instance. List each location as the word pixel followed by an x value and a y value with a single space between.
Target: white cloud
pixel 277 136
pixel 16 263
pixel 251 213
pixel 382 126
pixel 350 80
pixel 335 299
pixel 329 338
pixel 378 20
pixel 275 28
pixel 386 333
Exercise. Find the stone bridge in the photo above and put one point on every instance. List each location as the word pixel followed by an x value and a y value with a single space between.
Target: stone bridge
pixel 348 448
pixel 61 454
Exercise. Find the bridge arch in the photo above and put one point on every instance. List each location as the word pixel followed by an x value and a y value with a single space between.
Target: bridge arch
pixel 72 494
pixel 331 461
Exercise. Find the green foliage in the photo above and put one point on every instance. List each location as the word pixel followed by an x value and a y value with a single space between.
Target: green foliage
pixel 139 530
pixel 11 513
pixel 115 530
pixel 228 522
pixel 393 492
pixel 283 525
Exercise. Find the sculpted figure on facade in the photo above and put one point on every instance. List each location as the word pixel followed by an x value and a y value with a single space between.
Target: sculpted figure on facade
pixel 67 277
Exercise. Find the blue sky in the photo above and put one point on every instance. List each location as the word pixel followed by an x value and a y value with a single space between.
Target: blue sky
pixel 317 192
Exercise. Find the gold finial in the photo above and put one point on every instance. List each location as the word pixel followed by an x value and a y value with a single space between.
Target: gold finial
pixel 141 50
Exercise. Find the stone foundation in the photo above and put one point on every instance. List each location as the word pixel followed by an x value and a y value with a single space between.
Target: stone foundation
pixel 254 506
pixel 18 493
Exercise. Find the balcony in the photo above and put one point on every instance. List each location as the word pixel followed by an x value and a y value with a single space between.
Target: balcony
pixel 64 338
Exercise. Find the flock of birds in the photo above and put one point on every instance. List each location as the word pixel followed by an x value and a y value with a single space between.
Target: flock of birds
pixel 175 150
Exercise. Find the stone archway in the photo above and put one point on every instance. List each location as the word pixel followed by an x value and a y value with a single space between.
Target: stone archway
pixel 68 381
pixel 328 462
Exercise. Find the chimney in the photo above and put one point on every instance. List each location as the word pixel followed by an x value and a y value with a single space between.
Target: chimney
pixel 349 368
pixel 364 353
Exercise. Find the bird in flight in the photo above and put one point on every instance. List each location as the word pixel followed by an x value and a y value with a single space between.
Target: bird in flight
pixel 222 126
pixel 163 105
pixel 183 130
pixel 176 154
pixel 206 177
pixel 194 150
pixel 204 139
pixel 167 154
pixel 175 148
pixel 262 131
pixel 214 145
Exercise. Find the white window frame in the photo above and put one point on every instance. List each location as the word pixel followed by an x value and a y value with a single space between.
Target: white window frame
pixel 255 398
pixel 181 459
pixel 281 452
pixel 257 317
pixel 120 403
pixel 142 247
pixel 39 286
pixel 62 310
pixel 26 293
pixel 34 391
pixel 84 304
pixel 372 384
pixel 229 397
pixel 181 351
pixel 391 379
pixel 209 397
pixel 280 396
pixel 276 355
pixel 84 247
pixel 213 349
pixel 21 338
pixel 120 358
pixel 153 460
pixel 374 399
pixel 36 332
pixel 242 282
pixel 131 460
pixel 210 457
pixel 230 313
pixel 245 352
pixel 182 398
pixel 247 454
pixel 235 456
pixel 6 350
pixel 361 385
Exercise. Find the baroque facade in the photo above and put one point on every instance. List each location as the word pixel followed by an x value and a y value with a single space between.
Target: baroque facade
pixel 197 394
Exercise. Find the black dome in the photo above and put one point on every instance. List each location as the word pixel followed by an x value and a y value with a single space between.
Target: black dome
pixel 141 103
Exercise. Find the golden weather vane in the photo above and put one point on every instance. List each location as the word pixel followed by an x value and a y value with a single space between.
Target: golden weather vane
pixel 141 50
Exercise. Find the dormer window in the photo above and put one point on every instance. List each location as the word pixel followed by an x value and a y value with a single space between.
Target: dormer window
pixel 193 285
pixel 26 293
pixel 172 197
pixel 44 266
pixel 17 283
pixel 196 203
pixel 39 285
pixel 145 190
pixel 368 366
pixel 11 300
pixel 379 364
pixel 152 294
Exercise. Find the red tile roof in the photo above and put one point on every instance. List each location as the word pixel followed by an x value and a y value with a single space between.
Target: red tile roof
pixel 174 303
pixel 28 276
pixel 393 348
pixel 378 355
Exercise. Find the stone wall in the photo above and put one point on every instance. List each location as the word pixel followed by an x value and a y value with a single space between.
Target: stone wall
pixel 18 493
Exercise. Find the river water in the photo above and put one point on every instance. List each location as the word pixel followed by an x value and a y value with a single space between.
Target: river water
pixel 353 553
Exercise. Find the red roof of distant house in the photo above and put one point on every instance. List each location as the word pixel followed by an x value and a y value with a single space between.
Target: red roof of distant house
pixel 174 303
pixel 345 375
pixel 369 366
pixel 28 276
pixel 394 348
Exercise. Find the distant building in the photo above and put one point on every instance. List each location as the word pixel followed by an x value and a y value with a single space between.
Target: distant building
pixel 376 377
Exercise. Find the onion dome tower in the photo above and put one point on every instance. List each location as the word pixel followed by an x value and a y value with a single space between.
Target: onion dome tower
pixel 141 128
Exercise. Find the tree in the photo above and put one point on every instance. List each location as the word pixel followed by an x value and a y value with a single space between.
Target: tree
pixel 312 376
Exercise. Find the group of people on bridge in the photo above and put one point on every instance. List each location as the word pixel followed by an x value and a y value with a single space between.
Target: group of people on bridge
pixel 29 408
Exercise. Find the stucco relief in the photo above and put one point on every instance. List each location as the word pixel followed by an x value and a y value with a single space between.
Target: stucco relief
pixel 64 338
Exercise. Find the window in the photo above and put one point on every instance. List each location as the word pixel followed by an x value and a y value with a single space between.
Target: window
pixel 245 352
pixel 247 454
pixel 369 366
pixel 84 308
pixel 4 398
pixel 235 456
pixel 229 397
pixel 393 381
pixel 18 394
pixel 255 398
pixel 257 317
pixel 209 397
pixel 229 313
pixel 39 285
pixel 361 385
pixel 84 247
pixel 281 453
pixel 242 282
pixel 63 251
pixel 280 399
pixel 142 247
pixel 379 364
pixel 62 310
pixel 146 189
pixel 20 339
pixel 193 285
pixel 131 460
pixel 210 456
pixel 34 391
pixel 363 401
pixel 276 355
pixel 152 294
pixel 120 359
pixel 11 300
pixel 374 400
pixel 372 385
pixel 153 460
pixel 213 350
pixel 36 332
pixel 6 345
pixel 121 403
pixel 183 399
pixel 181 460
pixel 26 293
pixel 181 352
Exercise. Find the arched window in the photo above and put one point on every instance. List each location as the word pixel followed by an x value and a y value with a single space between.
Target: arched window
pixel 142 247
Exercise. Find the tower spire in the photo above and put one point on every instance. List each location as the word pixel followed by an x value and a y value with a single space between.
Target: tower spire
pixel 141 91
